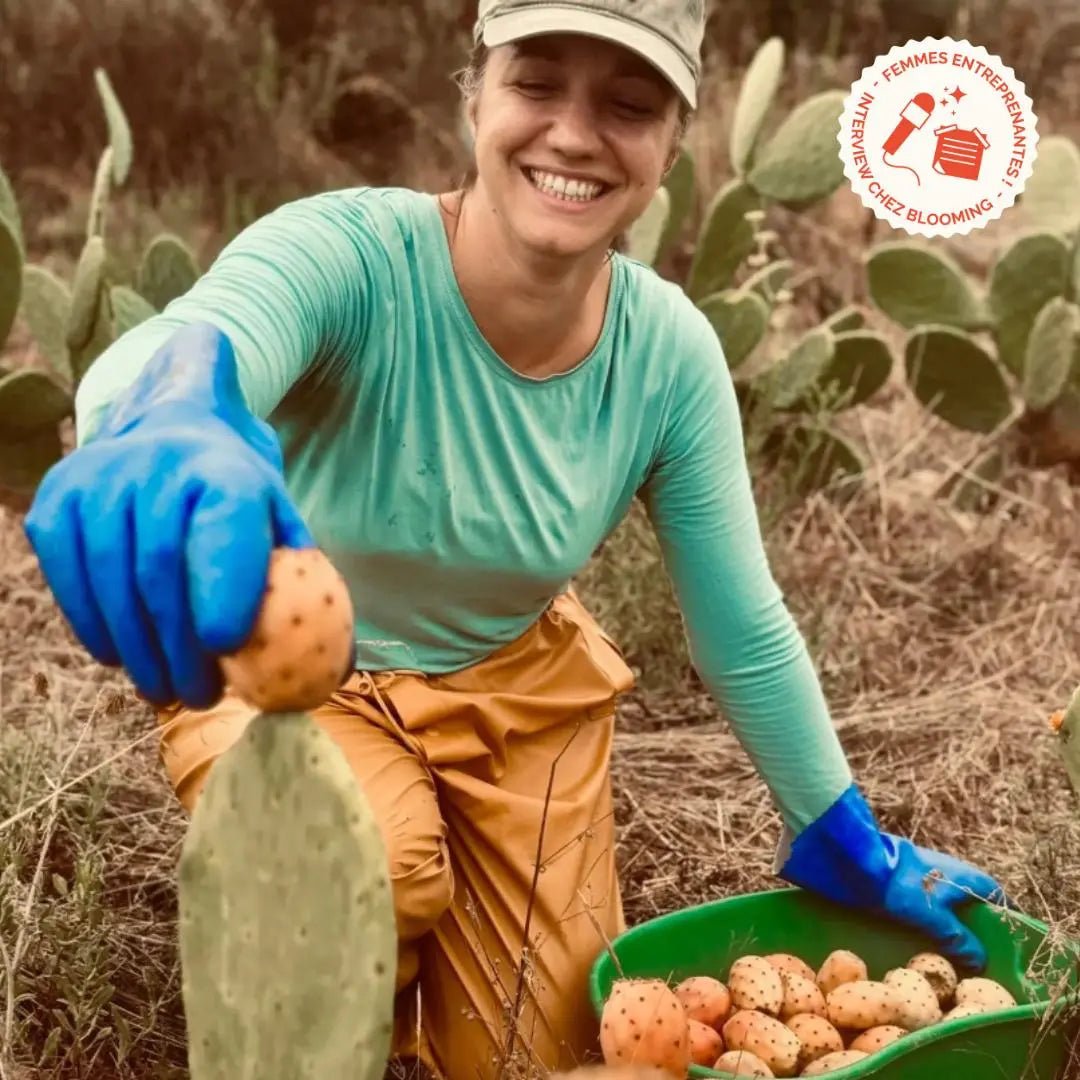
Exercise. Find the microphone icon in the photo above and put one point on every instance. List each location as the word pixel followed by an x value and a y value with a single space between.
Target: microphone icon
pixel 915 113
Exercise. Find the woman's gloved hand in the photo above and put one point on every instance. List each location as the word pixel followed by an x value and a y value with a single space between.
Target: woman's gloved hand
pixel 847 858
pixel 155 535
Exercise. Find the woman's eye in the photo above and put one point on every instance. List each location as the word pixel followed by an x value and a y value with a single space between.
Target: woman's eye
pixel 533 86
pixel 634 108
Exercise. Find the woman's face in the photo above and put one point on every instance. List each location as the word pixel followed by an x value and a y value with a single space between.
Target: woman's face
pixel 572 136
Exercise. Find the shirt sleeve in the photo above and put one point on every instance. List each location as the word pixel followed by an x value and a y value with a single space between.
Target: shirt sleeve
pixel 291 290
pixel 743 640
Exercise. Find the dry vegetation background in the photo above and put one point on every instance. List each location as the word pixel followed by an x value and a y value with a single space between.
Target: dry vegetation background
pixel 943 639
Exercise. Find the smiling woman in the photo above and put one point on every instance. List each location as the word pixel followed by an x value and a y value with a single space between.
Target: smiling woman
pixel 458 397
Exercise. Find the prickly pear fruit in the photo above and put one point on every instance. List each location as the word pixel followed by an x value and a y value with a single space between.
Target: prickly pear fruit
pixel 300 647
pixel 741 1063
pixel 939 973
pixel 817 1037
pixel 957 1012
pixel 801 995
pixel 832 1062
pixel 985 992
pixel 705 999
pixel 877 1038
pixel 755 984
pixel 287 933
pixel 775 1043
pixel 706 1043
pixel 736 1026
pixel 862 1004
pixel 840 966
pixel 791 964
pixel 644 1023
pixel 916 1003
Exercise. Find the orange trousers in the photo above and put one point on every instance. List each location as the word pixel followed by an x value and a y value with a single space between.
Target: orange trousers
pixel 457 769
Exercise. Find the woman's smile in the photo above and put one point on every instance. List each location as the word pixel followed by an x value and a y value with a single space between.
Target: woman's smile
pixel 565 193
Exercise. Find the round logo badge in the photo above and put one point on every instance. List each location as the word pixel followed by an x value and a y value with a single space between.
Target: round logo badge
pixel 938 137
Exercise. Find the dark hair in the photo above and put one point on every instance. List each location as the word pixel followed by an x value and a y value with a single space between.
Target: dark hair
pixel 470 79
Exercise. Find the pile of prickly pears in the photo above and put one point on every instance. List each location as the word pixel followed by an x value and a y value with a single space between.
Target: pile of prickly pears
pixel 774 1015
pixel 288 941
pixel 71 325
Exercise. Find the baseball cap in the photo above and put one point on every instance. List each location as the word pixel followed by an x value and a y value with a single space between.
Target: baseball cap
pixel 666 33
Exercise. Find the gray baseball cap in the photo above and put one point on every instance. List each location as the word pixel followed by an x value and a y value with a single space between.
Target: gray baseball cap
pixel 666 33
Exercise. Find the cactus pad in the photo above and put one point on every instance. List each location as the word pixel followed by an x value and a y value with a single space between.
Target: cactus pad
pixel 915 286
pixel 681 192
pixel 24 460
pixel 129 309
pixel 30 400
pixel 86 294
pixel 45 306
pixel 956 378
pixel 119 131
pixel 9 211
pixel 11 264
pixel 801 162
pixel 859 367
pixel 1031 272
pixel 739 319
pixel 101 337
pixel 725 240
pixel 287 928
pixel 756 95
pixel 1051 196
pixel 847 318
pixel 644 235
pixel 789 383
pixel 1051 350
pixel 168 270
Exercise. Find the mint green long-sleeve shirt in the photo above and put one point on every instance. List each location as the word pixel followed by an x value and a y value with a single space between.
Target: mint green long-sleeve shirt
pixel 457 496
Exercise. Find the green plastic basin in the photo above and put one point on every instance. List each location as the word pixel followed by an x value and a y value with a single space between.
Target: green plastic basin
pixel 1027 1042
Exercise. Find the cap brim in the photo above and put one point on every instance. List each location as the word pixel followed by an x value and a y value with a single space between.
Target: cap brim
pixel 514 25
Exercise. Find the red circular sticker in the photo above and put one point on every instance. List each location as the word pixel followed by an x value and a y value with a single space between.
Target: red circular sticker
pixel 938 137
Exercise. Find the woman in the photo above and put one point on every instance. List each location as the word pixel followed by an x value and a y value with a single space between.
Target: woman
pixel 457 398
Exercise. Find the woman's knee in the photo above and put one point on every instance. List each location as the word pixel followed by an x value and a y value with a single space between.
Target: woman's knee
pixel 397 786
pixel 421 876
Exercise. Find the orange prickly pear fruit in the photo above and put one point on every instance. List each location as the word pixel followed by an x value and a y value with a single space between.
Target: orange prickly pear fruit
pixel 644 1023
pixel 301 645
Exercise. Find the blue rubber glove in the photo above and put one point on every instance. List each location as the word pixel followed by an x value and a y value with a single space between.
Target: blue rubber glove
pixel 155 535
pixel 847 858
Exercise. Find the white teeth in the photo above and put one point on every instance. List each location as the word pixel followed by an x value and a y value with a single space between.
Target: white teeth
pixel 572 190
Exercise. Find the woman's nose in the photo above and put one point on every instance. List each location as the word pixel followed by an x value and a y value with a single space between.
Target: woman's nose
pixel 574 129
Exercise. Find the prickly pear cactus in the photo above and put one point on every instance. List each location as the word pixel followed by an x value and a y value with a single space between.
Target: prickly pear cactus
pixel 1027 276
pixel 747 291
pixel 799 165
pixel 1006 356
pixel 756 96
pixel 645 234
pixel 168 269
pixel 287 933
pixel 71 324
pixel 915 285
